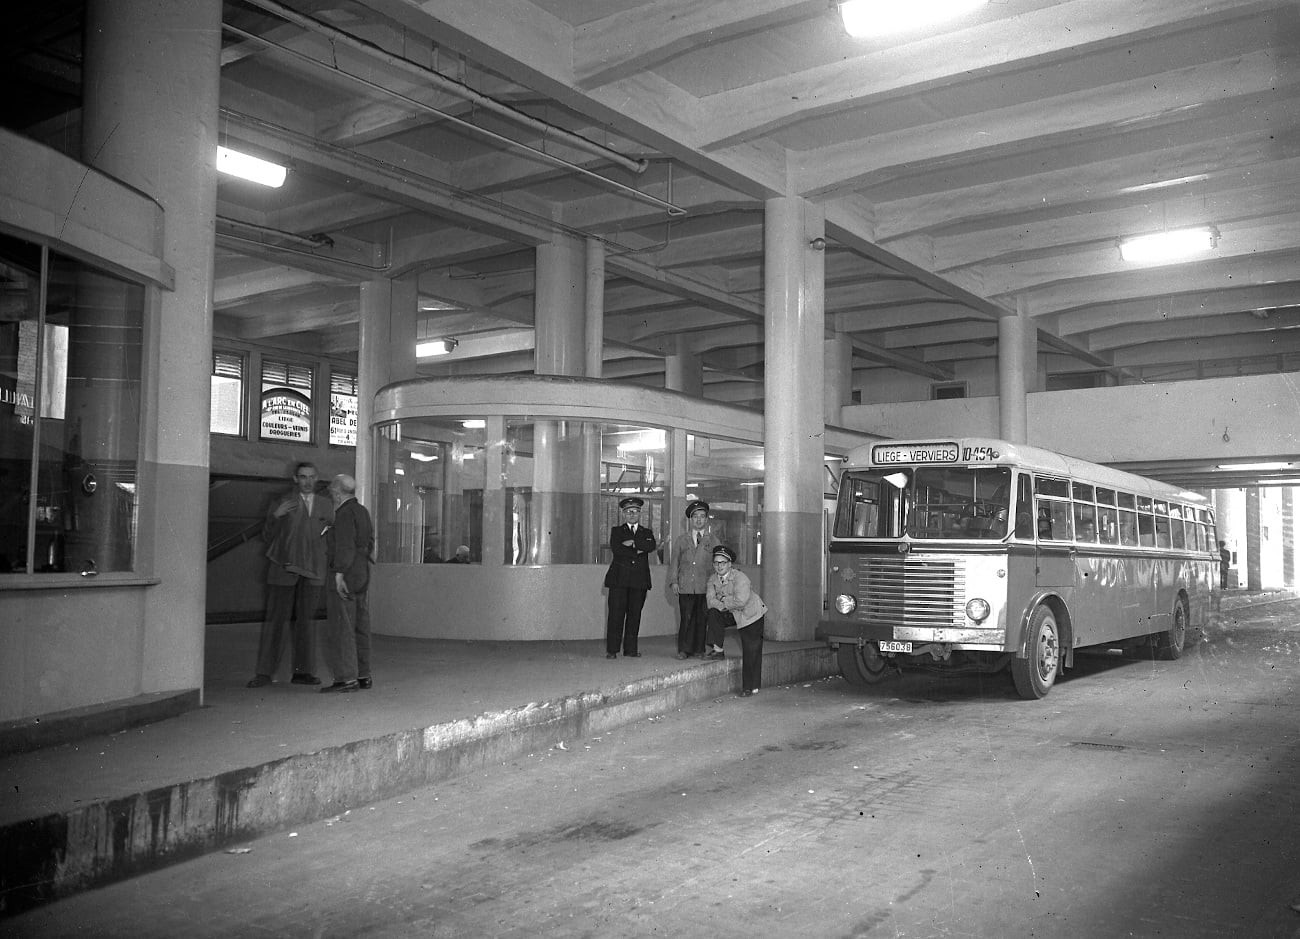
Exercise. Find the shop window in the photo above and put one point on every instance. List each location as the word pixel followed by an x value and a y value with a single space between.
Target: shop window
pixel 71 342
pixel 343 409
pixel 287 395
pixel 228 393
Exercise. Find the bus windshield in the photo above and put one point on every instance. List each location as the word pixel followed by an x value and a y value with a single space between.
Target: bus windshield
pixel 927 502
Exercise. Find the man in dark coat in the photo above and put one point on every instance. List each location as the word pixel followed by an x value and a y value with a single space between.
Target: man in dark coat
pixel 628 579
pixel 349 545
pixel 295 531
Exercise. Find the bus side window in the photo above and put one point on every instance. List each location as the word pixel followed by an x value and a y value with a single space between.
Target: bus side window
pixel 1108 528
pixel 1024 507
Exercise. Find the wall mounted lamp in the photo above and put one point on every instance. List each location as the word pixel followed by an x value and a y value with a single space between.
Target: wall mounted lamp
pixel 432 347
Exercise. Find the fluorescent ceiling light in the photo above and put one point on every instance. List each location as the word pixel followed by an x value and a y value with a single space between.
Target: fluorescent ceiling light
pixel 1168 245
pixel 1254 466
pixel 1166 183
pixel 234 163
pixel 473 424
pixel 871 18
pixel 424 350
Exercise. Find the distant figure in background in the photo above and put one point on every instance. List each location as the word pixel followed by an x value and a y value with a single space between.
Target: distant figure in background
pixel 1225 562
pixel 733 602
pixel 462 555
pixel 688 578
pixel 349 546
pixel 295 532
pixel 628 579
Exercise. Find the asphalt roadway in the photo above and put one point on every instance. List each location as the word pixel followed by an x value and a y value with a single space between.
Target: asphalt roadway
pixel 1139 798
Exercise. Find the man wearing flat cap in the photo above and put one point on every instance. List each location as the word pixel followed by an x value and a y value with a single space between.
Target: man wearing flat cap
pixel 688 577
pixel 628 579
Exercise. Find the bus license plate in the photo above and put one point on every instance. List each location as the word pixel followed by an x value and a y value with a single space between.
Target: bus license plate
pixel 888 645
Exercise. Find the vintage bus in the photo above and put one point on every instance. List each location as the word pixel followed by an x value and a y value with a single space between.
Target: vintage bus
pixel 977 554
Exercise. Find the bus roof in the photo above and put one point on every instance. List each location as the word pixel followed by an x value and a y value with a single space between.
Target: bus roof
pixel 993 451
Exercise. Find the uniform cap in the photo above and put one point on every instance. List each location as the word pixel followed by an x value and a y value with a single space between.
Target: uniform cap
pixel 631 501
pixel 697 505
pixel 722 551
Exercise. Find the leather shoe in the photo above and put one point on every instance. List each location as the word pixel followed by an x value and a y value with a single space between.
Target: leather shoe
pixel 258 681
pixel 341 686
pixel 683 655
pixel 610 655
pixel 365 684
pixel 631 655
pixel 304 678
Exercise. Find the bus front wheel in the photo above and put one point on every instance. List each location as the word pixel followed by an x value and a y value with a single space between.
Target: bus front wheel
pixel 861 665
pixel 1170 643
pixel 1035 674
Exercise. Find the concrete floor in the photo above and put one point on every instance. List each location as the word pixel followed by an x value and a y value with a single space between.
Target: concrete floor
pixel 1137 799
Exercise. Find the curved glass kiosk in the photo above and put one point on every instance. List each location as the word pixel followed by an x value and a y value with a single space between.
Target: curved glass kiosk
pixel 493 498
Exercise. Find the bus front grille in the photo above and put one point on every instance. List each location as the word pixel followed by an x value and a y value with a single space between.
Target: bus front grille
pixel 911 591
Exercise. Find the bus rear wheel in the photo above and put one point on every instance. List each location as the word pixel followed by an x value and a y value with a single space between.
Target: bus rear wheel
pixel 1171 642
pixel 861 665
pixel 1035 674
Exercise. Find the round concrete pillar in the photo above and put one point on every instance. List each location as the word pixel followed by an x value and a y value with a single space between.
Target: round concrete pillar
pixel 794 326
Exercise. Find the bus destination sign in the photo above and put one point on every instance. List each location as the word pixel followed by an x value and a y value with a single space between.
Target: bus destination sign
pixel 915 453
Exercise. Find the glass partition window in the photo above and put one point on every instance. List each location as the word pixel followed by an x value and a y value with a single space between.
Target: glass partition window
pixel 431 487
pixel 70 371
pixel 728 475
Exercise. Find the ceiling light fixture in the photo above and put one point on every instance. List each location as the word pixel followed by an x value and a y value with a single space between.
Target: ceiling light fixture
pixel 864 19
pixel 1166 183
pixel 1276 465
pixel 1168 245
pixel 432 347
pixel 473 423
pixel 234 163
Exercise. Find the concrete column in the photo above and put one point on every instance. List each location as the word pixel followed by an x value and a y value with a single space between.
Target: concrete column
pixel 149 117
pixel 1254 581
pixel 387 311
pixel 594 304
pixel 559 308
pixel 837 364
pixel 794 324
pixel 1017 370
pixel 684 369
pixel 1288 536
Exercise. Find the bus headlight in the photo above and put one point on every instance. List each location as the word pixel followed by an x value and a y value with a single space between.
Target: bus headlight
pixel 845 604
pixel 977 609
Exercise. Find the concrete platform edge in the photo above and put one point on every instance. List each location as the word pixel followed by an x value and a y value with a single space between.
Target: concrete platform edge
pixel 63 853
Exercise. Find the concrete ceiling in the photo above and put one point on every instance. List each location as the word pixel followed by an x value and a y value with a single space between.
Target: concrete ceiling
pixel 986 165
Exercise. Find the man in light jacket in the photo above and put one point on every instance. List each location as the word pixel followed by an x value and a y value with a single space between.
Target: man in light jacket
pixel 732 600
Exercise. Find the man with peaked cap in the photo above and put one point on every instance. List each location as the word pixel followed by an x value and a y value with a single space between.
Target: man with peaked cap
pixel 688 576
pixel 628 579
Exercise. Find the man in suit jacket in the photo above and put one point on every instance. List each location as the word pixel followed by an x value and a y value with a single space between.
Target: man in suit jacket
pixel 349 545
pixel 295 532
pixel 628 579
pixel 688 576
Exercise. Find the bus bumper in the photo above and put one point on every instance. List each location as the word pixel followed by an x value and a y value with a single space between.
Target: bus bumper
pixel 837 631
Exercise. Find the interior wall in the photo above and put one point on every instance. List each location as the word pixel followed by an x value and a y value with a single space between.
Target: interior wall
pixel 1258 415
